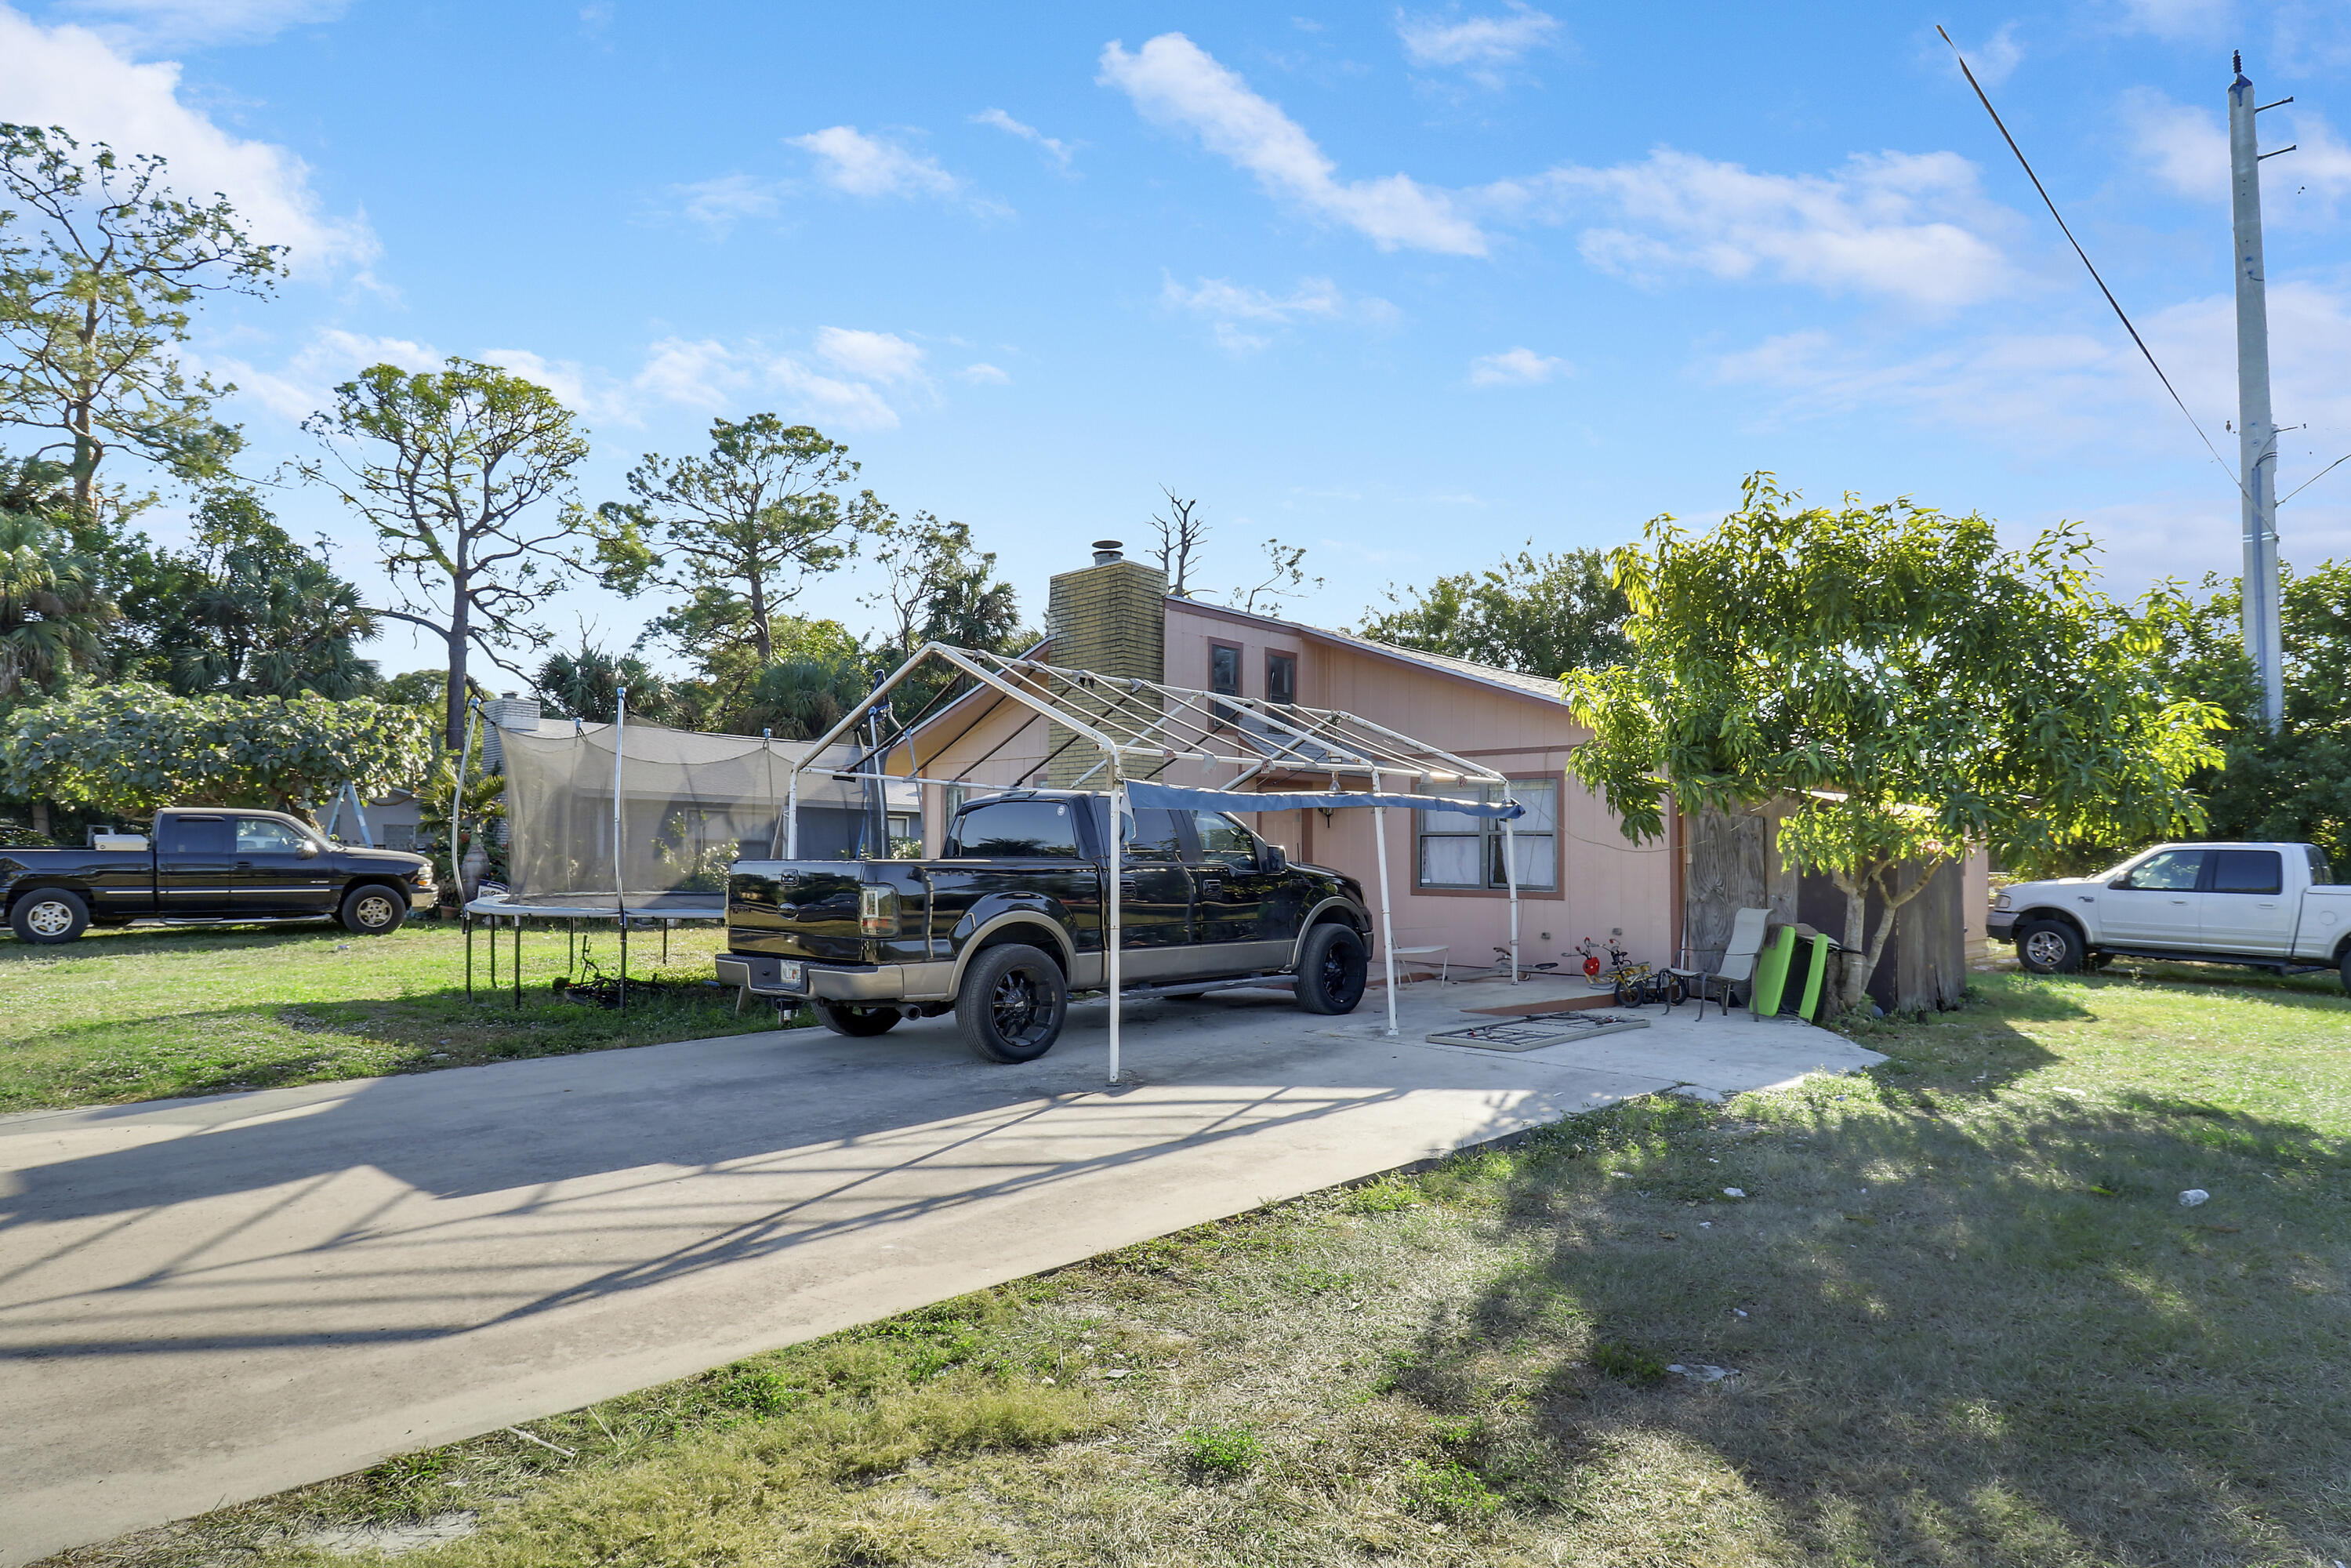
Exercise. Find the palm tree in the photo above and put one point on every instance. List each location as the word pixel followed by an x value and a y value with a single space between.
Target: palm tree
pixel 51 608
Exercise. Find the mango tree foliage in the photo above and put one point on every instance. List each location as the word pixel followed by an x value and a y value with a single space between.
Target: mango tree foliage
pixel 1905 685
pixel 131 748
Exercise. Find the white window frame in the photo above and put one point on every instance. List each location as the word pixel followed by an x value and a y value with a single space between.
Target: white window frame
pixel 1487 831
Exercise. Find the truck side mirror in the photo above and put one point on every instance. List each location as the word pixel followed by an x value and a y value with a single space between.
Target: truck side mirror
pixel 307 850
pixel 1276 862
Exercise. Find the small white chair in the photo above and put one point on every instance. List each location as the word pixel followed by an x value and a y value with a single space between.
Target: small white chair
pixel 1442 953
pixel 1737 966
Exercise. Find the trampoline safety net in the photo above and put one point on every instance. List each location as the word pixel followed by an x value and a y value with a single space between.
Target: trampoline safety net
pixel 691 805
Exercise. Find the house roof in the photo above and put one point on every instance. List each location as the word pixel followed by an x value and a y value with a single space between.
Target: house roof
pixel 1442 664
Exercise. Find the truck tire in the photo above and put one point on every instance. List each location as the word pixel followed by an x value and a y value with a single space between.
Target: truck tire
pixel 856 1022
pixel 1013 1002
pixel 2049 948
pixel 373 910
pixel 49 916
pixel 1331 972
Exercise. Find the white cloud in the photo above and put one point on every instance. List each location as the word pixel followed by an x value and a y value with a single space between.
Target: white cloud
pixel 142 26
pixel 718 205
pixel 1059 151
pixel 848 160
pixel 1172 81
pixel 2188 149
pixel 1233 307
pixel 984 375
pixel 2177 19
pixel 1476 41
pixel 69 76
pixel 305 383
pixel 881 356
pixel 1517 368
pixel 1897 223
pixel 1992 60
pixel 714 376
pixel 584 388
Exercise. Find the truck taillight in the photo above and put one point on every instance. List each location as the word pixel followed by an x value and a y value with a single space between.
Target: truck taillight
pixel 877 909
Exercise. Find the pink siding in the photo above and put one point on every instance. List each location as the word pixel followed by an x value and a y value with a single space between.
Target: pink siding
pixel 1605 882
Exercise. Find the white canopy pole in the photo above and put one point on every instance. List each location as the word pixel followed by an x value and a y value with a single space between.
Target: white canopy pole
pixel 1511 873
pixel 620 744
pixel 1117 862
pixel 1387 927
pixel 792 816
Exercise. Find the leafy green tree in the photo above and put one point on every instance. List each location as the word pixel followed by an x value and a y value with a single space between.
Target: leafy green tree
pixel 53 612
pixel 1906 685
pixel 1539 615
pixel 250 612
pixel 737 532
pixel 800 699
pixel 100 265
pixel 466 473
pixel 131 748
pixel 585 684
pixel 2294 784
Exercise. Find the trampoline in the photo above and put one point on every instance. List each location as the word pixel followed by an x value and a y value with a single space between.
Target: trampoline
pixel 635 825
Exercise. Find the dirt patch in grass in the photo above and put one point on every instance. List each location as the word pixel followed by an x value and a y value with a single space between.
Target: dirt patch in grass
pixel 1959 1316
pixel 140 1015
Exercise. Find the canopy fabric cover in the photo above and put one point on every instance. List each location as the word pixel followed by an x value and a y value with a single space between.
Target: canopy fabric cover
pixel 1144 792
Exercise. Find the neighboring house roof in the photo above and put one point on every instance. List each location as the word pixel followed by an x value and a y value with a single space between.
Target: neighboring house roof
pixel 1443 663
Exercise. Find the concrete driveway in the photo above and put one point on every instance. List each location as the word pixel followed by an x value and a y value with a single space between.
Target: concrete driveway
pixel 205 1301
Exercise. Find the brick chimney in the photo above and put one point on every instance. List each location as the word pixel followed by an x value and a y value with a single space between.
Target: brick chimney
pixel 1109 618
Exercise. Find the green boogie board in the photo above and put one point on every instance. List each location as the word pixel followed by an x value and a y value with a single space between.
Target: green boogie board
pixel 1771 973
pixel 1809 1009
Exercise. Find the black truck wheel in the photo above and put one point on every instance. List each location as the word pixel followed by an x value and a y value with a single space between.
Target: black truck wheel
pixel 49 916
pixel 372 911
pixel 855 1021
pixel 1012 1004
pixel 2049 948
pixel 1331 970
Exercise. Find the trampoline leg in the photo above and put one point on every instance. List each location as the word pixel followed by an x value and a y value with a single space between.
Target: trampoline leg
pixel 518 958
pixel 493 955
pixel 467 921
pixel 624 962
pixel 665 925
pixel 570 946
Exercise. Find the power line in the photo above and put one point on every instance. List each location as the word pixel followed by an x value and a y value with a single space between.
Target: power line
pixel 2315 478
pixel 2101 282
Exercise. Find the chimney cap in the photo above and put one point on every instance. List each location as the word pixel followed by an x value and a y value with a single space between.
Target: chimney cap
pixel 1109 551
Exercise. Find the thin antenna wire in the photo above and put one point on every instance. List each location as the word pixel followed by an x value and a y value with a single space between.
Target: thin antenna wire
pixel 2315 478
pixel 2101 282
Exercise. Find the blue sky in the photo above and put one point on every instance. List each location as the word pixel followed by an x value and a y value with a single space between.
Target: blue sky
pixel 1404 285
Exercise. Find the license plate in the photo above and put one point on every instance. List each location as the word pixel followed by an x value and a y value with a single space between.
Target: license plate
pixel 792 976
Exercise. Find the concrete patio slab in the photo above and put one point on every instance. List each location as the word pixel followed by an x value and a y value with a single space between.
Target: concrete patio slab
pixel 205 1300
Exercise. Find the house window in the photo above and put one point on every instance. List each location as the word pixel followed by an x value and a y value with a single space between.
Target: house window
pixel 1459 850
pixel 1281 678
pixel 1223 678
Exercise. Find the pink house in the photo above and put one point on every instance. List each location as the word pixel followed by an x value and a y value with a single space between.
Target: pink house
pixel 1578 875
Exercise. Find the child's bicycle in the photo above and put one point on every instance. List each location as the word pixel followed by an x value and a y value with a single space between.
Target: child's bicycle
pixel 1634 985
pixel 1502 962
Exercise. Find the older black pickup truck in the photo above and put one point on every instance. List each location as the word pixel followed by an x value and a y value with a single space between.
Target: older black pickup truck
pixel 205 867
pixel 1009 922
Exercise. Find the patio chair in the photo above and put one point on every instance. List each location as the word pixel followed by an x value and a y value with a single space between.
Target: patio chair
pixel 1737 966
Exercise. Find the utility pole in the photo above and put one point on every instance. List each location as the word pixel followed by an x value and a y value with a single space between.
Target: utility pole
pixel 2256 435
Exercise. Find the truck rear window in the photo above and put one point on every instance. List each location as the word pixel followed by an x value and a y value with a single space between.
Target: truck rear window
pixel 1005 829
pixel 2248 871
pixel 198 836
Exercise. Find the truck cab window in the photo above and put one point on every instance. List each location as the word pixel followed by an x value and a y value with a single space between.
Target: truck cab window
pixel 1151 836
pixel 200 836
pixel 1006 829
pixel 1222 839
pixel 2173 870
pixel 2248 871
pixel 267 836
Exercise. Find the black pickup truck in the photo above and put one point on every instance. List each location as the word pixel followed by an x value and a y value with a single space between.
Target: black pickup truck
pixel 1009 922
pixel 208 867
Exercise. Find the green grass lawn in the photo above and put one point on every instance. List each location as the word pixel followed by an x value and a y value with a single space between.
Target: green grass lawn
pixel 144 1015
pixel 1966 1318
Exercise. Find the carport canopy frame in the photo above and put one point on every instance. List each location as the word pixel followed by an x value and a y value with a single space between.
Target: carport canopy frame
pixel 1140 728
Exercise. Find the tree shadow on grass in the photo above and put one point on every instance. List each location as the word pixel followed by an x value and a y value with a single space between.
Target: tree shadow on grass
pixel 1984 1337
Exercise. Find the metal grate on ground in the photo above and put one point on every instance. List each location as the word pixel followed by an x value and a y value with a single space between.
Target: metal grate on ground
pixel 1537 1031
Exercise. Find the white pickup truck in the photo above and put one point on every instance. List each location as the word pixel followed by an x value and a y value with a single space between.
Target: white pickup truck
pixel 2266 906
